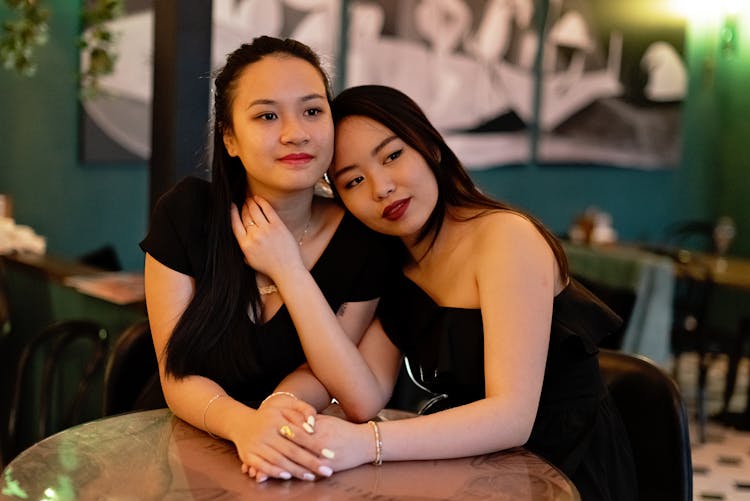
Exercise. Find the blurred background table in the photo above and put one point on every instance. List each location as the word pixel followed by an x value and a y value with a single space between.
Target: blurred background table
pixel 154 455
pixel 650 277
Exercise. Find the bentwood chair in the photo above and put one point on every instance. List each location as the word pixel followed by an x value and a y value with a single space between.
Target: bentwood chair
pixel 131 375
pixel 654 415
pixel 66 351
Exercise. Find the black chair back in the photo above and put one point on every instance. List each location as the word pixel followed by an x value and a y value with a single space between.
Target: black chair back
pixel 57 348
pixel 654 414
pixel 131 376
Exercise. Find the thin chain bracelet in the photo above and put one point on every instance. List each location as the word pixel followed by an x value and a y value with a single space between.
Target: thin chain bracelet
pixel 277 393
pixel 378 444
pixel 205 411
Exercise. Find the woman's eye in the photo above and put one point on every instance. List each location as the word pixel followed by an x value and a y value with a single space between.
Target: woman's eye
pixel 393 156
pixel 354 182
pixel 312 112
pixel 268 116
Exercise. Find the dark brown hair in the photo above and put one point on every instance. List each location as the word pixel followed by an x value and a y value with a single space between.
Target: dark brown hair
pixel 399 113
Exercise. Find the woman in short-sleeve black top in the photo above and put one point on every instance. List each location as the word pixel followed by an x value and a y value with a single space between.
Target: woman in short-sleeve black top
pixel 350 269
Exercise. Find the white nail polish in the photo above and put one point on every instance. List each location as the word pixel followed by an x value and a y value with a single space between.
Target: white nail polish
pixel 285 475
pixel 261 478
pixel 328 453
pixel 308 476
pixel 308 428
pixel 325 471
pixel 311 420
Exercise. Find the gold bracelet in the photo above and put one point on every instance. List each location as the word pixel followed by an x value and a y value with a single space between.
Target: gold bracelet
pixel 212 400
pixel 277 393
pixel 378 444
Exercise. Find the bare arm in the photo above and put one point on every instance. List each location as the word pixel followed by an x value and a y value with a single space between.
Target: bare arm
pixel 329 340
pixel 192 398
pixel 516 338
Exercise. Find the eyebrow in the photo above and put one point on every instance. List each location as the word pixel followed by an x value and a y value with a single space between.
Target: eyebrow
pixel 382 144
pixel 308 97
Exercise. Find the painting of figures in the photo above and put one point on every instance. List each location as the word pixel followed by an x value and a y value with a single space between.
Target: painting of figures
pixel 468 63
pixel 613 79
pixel 116 123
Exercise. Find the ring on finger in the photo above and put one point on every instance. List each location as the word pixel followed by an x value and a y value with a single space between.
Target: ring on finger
pixel 286 431
pixel 251 223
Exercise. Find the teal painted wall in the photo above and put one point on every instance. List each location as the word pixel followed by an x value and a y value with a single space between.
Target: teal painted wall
pixel 82 207
pixel 77 207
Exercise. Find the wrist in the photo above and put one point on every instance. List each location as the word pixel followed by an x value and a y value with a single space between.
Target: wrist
pixel 277 394
pixel 376 442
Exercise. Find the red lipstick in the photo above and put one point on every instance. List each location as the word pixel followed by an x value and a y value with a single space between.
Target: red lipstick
pixel 396 210
pixel 296 158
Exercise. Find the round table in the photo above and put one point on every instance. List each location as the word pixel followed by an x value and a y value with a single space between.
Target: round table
pixel 155 455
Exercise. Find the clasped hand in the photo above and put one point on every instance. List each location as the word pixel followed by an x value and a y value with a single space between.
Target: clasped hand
pixel 277 442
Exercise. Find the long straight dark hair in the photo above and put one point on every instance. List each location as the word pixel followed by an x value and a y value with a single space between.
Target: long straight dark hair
pixel 228 284
pixel 399 113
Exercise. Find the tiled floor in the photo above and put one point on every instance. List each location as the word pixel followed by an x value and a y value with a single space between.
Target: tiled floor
pixel 721 465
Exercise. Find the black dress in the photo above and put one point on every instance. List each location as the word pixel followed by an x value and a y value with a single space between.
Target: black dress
pixel 351 268
pixel 577 427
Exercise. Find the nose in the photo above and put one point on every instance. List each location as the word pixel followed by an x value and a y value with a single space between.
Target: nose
pixel 382 186
pixel 294 131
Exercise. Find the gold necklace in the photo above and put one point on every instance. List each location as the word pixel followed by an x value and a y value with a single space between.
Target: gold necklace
pixel 271 288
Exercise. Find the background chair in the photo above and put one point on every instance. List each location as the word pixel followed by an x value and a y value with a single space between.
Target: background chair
pixel 60 349
pixel 131 375
pixel 654 415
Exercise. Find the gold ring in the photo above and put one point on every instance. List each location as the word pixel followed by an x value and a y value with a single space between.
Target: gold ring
pixel 251 223
pixel 286 431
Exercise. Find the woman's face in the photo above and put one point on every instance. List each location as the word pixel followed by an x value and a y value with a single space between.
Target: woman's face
pixel 282 129
pixel 382 180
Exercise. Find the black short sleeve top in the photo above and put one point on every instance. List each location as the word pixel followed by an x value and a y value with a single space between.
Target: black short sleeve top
pixel 352 268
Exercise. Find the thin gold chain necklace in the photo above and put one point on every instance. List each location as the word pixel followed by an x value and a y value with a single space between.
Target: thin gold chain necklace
pixel 271 288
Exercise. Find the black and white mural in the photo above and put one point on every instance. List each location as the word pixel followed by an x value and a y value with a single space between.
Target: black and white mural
pixel 609 74
pixel 116 124
pixel 613 79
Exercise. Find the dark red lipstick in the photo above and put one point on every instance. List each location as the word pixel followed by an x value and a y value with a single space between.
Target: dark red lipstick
pixel 396 210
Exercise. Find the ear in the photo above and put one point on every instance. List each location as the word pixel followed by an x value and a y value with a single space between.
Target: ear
pixel 230 143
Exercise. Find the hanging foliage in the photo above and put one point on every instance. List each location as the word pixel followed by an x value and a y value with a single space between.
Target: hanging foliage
pixel 21 36
pixel 97 43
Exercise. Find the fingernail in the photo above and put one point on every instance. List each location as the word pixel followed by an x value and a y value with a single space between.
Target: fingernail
pixel 328 453
pixel 285 475
pixel 325 471
pixel 308 476
pixel 308 428
pixel 311 420
pixel 261 478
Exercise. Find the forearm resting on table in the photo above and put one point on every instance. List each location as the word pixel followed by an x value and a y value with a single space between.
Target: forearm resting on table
pixel 477 428
pixel 193 399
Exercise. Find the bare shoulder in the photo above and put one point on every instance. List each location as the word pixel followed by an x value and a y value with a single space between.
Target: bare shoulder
pixel 511 241
pixel 505 229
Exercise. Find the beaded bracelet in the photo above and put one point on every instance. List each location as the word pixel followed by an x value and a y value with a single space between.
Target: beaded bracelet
pixel 378 444
pixel 211 401
pixel 277 393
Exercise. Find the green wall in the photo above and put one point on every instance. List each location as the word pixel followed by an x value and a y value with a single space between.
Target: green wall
pixel 82 207
pixel 77 207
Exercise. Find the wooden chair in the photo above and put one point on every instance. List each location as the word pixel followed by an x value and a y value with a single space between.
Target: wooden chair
pixel 47 396
pixel 131 375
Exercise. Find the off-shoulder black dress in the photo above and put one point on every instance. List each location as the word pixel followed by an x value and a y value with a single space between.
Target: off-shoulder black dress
pixel 352 268
pixel 577 427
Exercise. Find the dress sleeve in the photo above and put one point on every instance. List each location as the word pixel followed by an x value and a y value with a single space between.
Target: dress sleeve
pixel 177 233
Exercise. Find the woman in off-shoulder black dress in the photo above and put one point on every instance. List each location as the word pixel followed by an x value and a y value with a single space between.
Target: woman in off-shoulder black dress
pixel 483 307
